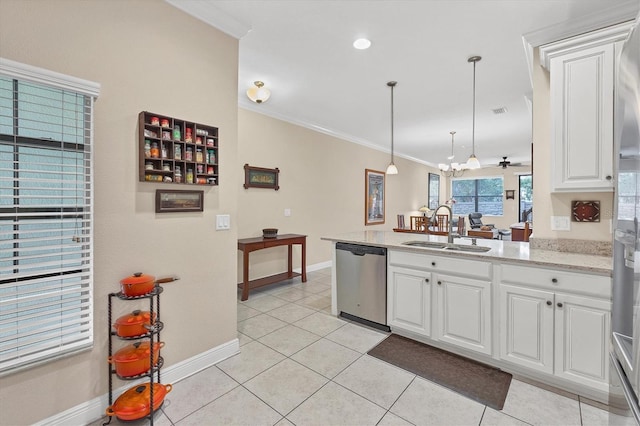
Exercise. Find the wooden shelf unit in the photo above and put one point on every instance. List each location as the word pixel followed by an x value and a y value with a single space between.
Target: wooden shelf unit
pixel 170 151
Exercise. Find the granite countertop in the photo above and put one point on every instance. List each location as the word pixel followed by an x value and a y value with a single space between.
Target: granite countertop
pixel 502 251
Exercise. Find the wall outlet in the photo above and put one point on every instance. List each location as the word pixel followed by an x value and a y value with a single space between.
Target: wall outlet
pixel 223 222
pixel 560 223
pixel 287 212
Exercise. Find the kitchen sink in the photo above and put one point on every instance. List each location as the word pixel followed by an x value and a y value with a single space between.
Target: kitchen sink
pixel 464 247
pixel 444 246
pixel 427 244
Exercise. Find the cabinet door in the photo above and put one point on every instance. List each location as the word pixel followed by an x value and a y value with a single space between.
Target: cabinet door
pixel 582 119
pixel 409 300
pixel 582 339
pixel 526 327
pixel 464 312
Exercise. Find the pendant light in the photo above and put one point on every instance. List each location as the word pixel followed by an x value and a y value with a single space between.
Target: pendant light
pixel 392 169
pixel 452 169
pixel 472 162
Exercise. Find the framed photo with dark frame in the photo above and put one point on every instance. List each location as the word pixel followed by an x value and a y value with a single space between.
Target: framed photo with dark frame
pixel 433 191
pixel 374 194
pixel 510 194
pixel 260 177
pixel 175 200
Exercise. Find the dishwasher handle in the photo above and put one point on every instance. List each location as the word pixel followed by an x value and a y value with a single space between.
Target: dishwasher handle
pixel 359 250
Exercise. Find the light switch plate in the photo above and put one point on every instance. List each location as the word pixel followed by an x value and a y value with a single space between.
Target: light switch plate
pixel 223 222
pixel 560 223
pixel 287 212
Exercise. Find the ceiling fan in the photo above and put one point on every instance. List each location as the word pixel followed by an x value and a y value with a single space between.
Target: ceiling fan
pixel 504 163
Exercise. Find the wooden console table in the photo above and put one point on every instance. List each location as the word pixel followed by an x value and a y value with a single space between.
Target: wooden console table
pixel 247 245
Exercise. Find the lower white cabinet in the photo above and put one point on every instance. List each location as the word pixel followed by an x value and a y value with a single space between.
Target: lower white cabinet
pixel 409 300
pixel 545 328
pixel 463 307
pixel 582 330
pixel 424 297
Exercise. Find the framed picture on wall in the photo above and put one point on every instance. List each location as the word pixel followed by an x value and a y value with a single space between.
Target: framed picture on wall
pixel 374 194
pixel 433 191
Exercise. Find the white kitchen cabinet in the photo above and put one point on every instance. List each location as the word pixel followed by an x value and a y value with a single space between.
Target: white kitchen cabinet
pixel 409 300
pixel 526 327
pixel 582 329
pixel 463 307
pixel 460 306
pixel 582 80
pixel 556 322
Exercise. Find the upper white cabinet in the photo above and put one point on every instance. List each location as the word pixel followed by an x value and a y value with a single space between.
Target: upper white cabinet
pixel 582 79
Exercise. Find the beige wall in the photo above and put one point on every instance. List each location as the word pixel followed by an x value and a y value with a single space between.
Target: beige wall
pixel 149 56
pixel 548 204
pixel 321 181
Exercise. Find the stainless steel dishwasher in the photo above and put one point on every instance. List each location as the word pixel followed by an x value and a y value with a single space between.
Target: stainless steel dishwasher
pixel 361 281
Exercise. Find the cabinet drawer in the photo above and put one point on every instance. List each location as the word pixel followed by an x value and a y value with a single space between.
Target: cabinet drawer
pixel 432 262
pixel 584 283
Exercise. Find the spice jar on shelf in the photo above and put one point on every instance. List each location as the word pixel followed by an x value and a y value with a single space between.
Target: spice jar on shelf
pixel 155 121
pixel 154 152
pixel 176 133
pixel 188 155
pixel 189 175
pixel 211 154
pixel 187 135
pixel 199 157
pixel 200 168
pixel 164 122
pixel 177 152
pixel 163 151
pixel 178 175
pixel 147 148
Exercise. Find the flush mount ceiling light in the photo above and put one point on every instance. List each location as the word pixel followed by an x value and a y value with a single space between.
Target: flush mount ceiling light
pixel 472 162
pixel 259 93
pixel 392 169
pixel 452 169
pixel 362 43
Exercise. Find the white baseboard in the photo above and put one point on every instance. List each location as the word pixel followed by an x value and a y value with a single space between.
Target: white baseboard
pixel 315 267
pixel 94 409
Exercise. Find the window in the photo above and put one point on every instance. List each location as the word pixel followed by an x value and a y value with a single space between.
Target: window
pixel 46 215
pixel 525 212
pixel 434 191
pixel 482 195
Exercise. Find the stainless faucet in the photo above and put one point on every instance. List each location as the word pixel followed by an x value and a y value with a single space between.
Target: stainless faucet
pixel 434 218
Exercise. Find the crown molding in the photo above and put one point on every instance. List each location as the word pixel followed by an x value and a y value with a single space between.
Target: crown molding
pixel 592 39
pixel 250 106
pixel 207 12
pixel 624 12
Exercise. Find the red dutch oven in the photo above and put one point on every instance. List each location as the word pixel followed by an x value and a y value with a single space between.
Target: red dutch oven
pixel 135 403
pixel 134 359
pixel 140 284
pixel 136 323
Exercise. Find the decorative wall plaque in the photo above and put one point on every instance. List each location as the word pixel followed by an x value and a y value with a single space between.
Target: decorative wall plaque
pixel 585 211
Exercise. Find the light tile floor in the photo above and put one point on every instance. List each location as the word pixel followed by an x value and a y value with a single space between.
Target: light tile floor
pixel 298 365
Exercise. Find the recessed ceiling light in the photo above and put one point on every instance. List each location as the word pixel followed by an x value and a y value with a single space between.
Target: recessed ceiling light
pixel 362 43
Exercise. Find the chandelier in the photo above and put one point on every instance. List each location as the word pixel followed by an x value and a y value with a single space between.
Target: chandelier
pixel 452 169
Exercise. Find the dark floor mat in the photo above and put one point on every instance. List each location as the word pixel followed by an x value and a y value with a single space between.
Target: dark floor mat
pixel 480 382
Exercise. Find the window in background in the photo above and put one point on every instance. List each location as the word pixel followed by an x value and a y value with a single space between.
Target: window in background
pixel 46 217
pixel 433 194
pixel 525 212
pixel 484 195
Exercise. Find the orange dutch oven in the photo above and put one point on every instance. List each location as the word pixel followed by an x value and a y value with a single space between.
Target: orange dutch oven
pixel 134 359
pixel 140 284
pixel 136 323
pixel 135 403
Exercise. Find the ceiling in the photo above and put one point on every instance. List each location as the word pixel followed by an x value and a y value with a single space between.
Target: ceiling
pixel 303 52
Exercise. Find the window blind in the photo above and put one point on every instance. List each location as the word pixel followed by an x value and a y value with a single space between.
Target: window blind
pixel 46 217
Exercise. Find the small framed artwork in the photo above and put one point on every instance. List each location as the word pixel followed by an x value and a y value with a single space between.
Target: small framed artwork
pixel 172 200
pixel 585 211
pixel 510 194
pixel 259 177
pixel 374 194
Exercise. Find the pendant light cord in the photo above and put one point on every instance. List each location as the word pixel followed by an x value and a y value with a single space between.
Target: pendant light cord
pixel 473 125
pixel 392 86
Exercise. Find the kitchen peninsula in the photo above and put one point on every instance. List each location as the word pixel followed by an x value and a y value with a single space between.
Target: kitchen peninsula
pixel 541 314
